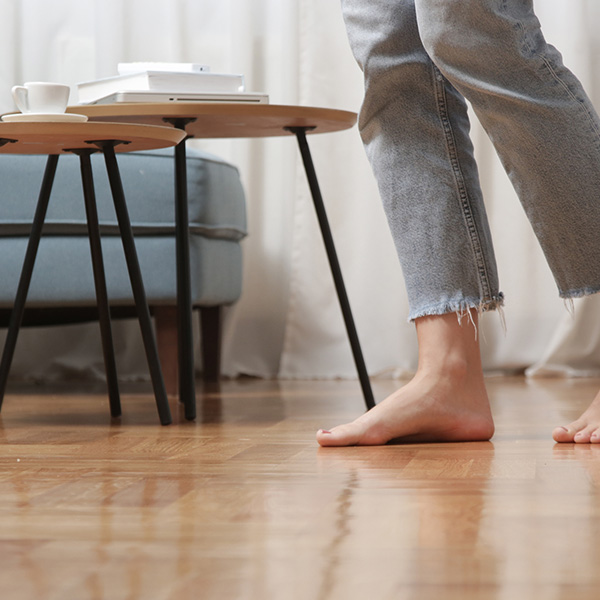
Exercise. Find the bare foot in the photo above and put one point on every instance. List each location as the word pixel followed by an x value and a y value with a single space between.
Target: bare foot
pixel 445 401
pixel 428 408
pixel 585 430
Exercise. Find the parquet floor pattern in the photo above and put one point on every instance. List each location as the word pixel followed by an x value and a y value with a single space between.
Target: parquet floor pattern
pixel 243 504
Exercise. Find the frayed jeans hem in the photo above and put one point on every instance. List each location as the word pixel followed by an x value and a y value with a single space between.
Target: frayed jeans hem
pixel 460 308
pixel 579 293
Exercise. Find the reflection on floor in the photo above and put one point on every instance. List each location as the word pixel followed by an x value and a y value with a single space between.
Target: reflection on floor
pixel 243 504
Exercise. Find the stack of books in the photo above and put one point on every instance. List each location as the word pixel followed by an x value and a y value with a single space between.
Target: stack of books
pixel 167 82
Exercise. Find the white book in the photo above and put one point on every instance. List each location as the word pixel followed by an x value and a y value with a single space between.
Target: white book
pixel 202 98
pixel 161 81
pixel 127 68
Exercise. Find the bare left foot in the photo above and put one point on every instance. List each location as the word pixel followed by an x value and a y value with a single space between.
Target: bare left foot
pixel 585 430
pixel 446 401
pixel 433 407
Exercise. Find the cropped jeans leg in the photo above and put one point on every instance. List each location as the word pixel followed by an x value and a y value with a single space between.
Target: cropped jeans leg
pixel 415 128
pixel 539 118
pixel 421 59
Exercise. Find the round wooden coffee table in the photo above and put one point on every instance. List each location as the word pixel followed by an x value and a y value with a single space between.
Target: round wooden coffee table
pixel 236 120
pixel 85 139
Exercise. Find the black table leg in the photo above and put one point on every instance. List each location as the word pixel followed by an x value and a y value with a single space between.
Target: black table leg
pixel 16 316
pixel 334 264
pixel 137 285
pixel 187 391
pixel 91 211
pixel 185 336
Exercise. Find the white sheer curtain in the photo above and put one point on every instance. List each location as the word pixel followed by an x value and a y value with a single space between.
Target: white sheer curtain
pixel 288 323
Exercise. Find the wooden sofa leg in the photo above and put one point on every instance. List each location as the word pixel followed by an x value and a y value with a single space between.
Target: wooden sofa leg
pixel 165 323
pixel 210 330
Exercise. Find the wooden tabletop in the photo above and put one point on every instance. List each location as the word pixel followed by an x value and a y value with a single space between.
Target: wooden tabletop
pixel 57 138
pixel 224 120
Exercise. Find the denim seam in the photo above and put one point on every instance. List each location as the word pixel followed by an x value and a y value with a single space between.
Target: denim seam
pixel 573 97
pixel 463 195
pixel 557 78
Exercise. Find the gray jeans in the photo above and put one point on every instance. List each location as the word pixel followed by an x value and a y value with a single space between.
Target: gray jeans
pixel 421 59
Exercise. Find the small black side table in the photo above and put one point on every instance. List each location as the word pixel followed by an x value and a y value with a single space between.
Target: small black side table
pixel 84 139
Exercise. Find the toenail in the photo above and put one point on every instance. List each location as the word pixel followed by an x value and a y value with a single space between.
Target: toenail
pixel 325 431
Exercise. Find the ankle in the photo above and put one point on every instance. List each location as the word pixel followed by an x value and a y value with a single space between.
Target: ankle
pixel 449 347
pixel 456 368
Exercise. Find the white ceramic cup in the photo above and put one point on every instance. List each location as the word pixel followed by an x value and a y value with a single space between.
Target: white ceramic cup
pixel 41 97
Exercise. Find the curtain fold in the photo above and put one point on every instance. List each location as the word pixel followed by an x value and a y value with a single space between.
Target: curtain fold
pixel 288 323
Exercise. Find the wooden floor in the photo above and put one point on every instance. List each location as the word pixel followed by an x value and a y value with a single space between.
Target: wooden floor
pixel 244 505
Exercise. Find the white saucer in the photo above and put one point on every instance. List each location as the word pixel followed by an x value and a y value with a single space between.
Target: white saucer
pixel 44 118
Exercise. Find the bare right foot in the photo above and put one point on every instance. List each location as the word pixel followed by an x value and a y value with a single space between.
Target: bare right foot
pixel 585 430
pixel 446 401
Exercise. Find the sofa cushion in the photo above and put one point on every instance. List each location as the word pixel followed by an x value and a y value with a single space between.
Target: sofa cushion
pixel 215 195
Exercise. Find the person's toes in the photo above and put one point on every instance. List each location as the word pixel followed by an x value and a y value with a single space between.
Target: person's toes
pixel 595 437
pixel 584 435
pixel 578 432
pixel 343 435
pixel 563 434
